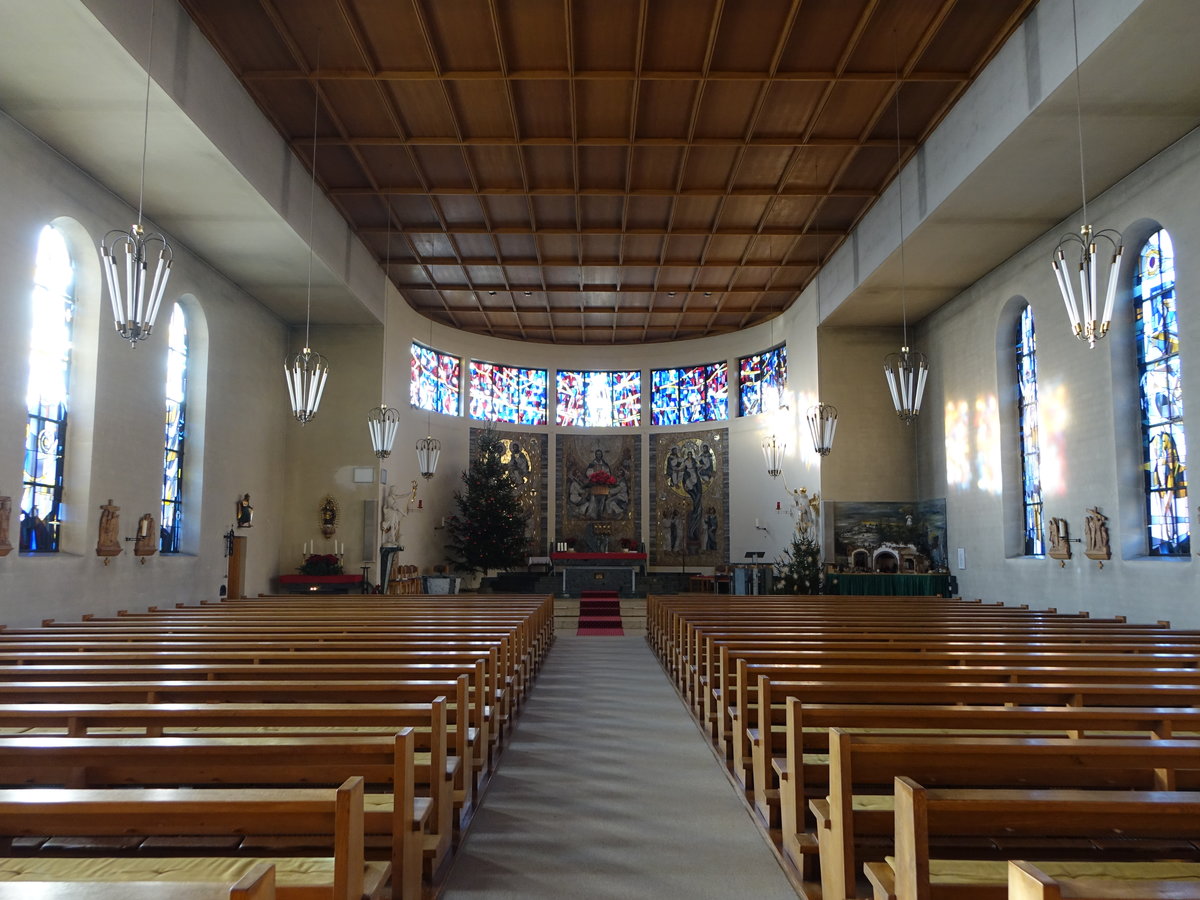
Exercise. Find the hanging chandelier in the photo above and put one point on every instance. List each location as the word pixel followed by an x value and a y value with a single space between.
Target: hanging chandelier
pixel 774 451
pixel 126 256
pixel 822 424
pixel 1088 320
pixel 429 449
pixel 905 371
pixel 384 421
pixel 307 371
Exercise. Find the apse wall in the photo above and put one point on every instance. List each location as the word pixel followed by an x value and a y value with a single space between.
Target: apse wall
pixel 754 522
pixel 115 423
pixel 1090 438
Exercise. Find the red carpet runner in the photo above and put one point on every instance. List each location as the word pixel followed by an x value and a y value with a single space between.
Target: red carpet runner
pixel 599 614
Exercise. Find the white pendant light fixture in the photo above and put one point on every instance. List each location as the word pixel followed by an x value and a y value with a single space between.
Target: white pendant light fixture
pixel 384 421
pixel 774 451
pixel 429 448
pixel 1088 320
pixel 307 371
pixel 905 371
pixel 822 424
pixel 126 256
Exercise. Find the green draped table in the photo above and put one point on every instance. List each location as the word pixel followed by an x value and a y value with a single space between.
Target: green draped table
pixel 874 584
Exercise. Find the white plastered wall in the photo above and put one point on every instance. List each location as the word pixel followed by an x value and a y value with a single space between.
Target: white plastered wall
pixel 116 419
pixel 1089 415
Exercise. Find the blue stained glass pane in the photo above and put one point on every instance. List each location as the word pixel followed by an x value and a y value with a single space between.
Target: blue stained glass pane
pixel 763 379
pixel 434 380
pixel 1164 444
pixel 171 525
pixel 47 393
pixel 694 394
pixel 508 394
pixel 1027 406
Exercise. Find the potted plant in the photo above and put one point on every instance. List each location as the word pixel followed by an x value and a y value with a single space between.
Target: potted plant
pixel 321 564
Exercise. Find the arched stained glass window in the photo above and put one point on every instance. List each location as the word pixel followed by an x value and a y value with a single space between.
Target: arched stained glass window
pixel 46 398
pixel 1031 455
pixel 171 530
pixel 694 394
pixel 1164 448
pixel 763 380
pixel 435 380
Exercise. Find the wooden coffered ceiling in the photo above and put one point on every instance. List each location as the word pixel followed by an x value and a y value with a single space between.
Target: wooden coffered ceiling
pixel 605 171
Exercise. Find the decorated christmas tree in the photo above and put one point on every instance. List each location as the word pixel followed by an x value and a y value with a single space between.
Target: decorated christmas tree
pixel 798 571
pixel 489 530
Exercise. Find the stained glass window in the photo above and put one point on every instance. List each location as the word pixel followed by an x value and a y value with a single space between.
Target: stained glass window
pixel 1164 448
pixel 507 394
pixel 599 399
pixel 46 397
pixel 1031 457
pixel 695 394
pixel 435 381
pixel 763 378
pixel 171 530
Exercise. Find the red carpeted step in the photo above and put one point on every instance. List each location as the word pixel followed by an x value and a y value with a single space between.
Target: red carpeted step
pixel 600 632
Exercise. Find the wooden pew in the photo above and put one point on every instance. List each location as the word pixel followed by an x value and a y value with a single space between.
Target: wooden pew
pixel 257 884
pixel 924 814
pixel 1132 881
pixel 867 764
pixel 337 814
pixel 409 824
pixel 808 727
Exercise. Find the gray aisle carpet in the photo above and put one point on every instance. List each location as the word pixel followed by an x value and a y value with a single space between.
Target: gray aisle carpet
pixel 608 790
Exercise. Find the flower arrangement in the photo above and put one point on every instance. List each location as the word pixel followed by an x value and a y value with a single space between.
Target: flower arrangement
pixel 628 544
pixel 571 542
pixel 321 564
pixel 602 478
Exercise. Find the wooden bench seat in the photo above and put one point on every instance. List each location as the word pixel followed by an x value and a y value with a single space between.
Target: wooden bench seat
pixel 408 808
pixel 1088 881
pixel 864 766
pixel 1111 822
pixel 337 814
pixel 258 883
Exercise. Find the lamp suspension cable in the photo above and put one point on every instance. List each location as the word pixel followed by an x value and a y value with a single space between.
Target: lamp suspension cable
pixel 905 371
pixel 1089 320
pixel 429 448
pixel 306 372
pixel 384 421
pixel 134 306
pixel 822 418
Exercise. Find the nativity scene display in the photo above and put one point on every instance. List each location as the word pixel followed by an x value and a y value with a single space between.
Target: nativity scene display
pixel 889 538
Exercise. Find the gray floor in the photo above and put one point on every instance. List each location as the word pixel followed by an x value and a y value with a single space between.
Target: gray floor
pixel 608 790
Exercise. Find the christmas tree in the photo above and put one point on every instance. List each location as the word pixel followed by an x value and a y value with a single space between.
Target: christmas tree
pixel 799 570
pixel 489 530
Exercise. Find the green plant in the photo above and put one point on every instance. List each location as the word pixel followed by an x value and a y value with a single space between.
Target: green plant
pixel 489 530
pixel 321 564
pixel 798 571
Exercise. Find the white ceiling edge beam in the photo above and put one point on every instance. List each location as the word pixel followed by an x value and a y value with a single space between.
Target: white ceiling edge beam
pixel 1034 62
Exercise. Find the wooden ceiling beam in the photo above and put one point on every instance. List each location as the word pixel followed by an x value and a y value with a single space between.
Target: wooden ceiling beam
pixel 389 75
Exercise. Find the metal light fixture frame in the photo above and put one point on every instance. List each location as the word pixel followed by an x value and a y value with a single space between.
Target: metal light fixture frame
pixel 384 421
pixel 907 370
pixel 822 425
pixel 125 256
pixel 429 448
pixel 307 371
pixel 1089 321
pixel 774 452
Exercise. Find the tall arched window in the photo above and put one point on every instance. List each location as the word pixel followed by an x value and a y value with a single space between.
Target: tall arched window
pixel 1164 449
pixel 176 394
pixel 47 394
pixel 1031 454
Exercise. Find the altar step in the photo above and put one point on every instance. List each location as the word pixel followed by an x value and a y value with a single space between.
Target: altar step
pixel 629 614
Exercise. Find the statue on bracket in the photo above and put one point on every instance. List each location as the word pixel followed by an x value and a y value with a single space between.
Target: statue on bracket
pixel 329 514
pixel 109 542
pixel 146 542
pixel 1060 540
pixel 245 512
pixel 1095 533
pixel 5 515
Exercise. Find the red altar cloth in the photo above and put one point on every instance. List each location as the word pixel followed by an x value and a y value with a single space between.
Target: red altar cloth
pixel 320 583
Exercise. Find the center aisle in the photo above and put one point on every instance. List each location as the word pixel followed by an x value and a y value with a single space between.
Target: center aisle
pixel 608 790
